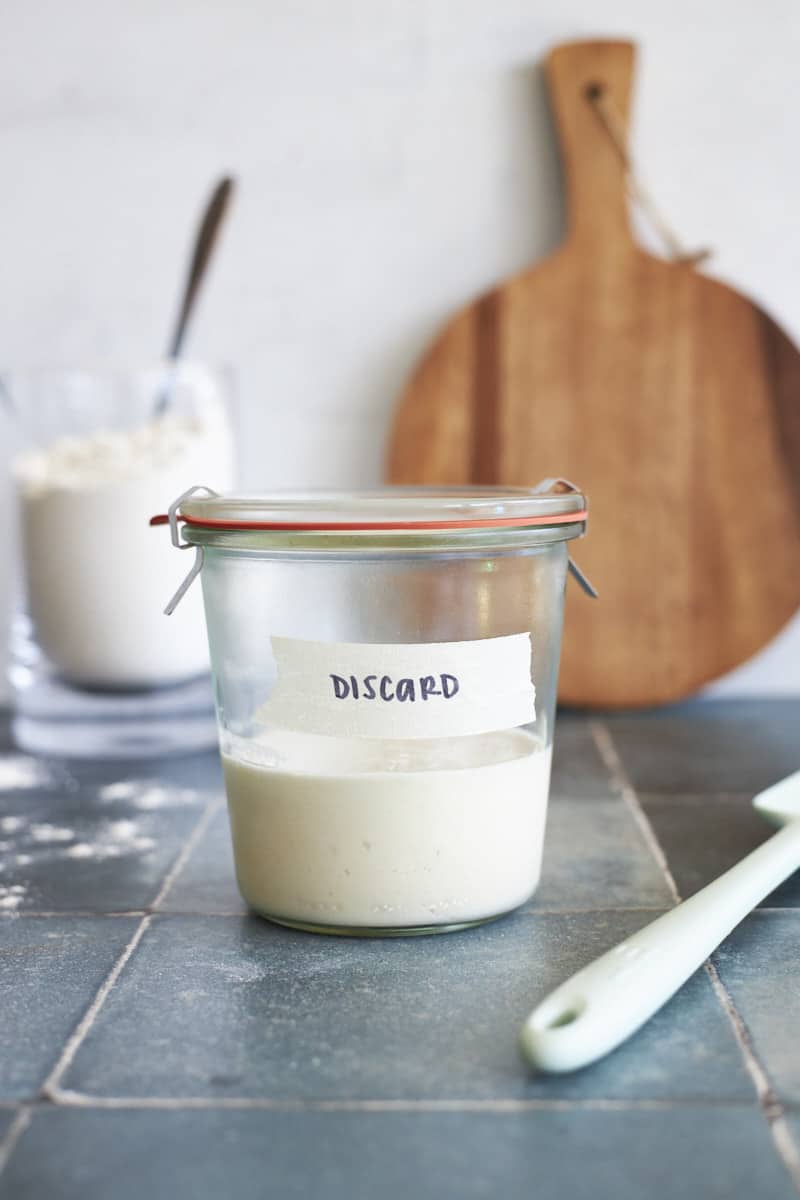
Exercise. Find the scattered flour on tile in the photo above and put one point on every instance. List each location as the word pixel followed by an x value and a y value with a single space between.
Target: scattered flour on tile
pixel 241 973
pixel 121 831
pixel 100 850
pixel 147 796
pixel 50 833
pixel 25 842
pixel 190 995
pixel 124 790
pixel 113 840
pixel 11 824
pixel 19 771
pixel 12 897
pixel 42 841
pixel 80 850
pixel 93 850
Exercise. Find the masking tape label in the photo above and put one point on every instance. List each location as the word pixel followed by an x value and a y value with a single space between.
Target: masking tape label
pixel 417 690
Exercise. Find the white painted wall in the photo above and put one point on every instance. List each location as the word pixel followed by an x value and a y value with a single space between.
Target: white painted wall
pixel 395 157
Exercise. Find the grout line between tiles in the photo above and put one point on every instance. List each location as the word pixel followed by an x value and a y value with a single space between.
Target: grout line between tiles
pixel 14 1132
pixel 194 837
pixel 613 764
pixel 233 914
pixel 51 1085
pixel 543 910
pixel 70 912
pixel 70 1099
pixel 769 1103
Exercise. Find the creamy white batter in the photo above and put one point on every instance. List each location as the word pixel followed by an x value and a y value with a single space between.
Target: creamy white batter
pixel 367 835
pixel 97 575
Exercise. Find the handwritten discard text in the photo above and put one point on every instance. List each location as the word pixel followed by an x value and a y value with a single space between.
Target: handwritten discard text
pixel 405 690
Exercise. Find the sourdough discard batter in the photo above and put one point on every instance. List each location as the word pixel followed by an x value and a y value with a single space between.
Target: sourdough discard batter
pixel 366 835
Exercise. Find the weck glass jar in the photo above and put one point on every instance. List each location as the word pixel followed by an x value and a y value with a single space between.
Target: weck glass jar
pixel 385 668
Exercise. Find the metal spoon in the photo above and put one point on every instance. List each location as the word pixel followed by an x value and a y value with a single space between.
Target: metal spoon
pixel 204 243
pixel 603 1004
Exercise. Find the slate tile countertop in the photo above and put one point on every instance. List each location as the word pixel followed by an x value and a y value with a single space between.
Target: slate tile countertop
pixel 157 1041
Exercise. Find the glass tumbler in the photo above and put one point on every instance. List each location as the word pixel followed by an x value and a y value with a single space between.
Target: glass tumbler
pixel 385 669
pixel 96 668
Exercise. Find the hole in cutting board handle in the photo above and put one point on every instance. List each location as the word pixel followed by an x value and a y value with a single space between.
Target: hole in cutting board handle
pixel 594 90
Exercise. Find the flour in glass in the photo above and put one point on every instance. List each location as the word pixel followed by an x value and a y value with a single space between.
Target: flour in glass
pixel 97 575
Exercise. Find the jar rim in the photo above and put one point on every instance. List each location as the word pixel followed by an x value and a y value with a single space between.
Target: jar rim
pixel 399 509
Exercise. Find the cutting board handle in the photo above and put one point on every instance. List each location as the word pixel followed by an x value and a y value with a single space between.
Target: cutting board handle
pixel 594 174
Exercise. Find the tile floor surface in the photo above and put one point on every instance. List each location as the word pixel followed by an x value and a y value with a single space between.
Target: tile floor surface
pixel 156 1040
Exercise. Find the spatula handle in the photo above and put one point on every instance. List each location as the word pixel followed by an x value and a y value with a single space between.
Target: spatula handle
pixel 602 1005
pixel 594 171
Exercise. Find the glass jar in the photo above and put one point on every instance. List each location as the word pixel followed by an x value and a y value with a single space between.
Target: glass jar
pixel 385 668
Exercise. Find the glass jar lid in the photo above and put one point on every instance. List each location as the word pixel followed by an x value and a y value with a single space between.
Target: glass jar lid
pixel 400 509
pixel 392 519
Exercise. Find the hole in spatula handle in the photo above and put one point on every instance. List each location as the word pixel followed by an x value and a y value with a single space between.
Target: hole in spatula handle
pixel 565 1018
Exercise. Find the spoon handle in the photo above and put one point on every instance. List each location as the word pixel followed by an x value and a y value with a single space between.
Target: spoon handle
pixel 201 254
pixel 603 1004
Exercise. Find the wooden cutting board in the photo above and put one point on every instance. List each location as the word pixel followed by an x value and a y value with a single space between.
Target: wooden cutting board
pixel 672 400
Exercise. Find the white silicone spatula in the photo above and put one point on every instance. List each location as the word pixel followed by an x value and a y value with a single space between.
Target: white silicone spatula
pixel 603 1004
